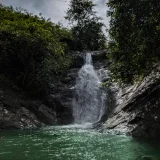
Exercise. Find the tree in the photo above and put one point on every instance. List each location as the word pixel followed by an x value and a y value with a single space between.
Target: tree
pixel 134 38
pixel 86 26
pixel 31 50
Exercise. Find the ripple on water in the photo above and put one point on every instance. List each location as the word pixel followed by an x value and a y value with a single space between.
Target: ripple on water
pixel 69 143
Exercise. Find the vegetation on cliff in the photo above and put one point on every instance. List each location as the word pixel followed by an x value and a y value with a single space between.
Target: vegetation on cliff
pixel 86 26
pixel 134 38
pixel 31 49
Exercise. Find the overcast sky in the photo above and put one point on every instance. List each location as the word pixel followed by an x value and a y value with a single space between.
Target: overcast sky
pixel 54 9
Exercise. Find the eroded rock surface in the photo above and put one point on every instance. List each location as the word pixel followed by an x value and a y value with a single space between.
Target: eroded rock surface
pixel 19 112
pixel 137 109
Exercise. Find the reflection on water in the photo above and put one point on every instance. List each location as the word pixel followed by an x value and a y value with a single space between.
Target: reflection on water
pixel 69 143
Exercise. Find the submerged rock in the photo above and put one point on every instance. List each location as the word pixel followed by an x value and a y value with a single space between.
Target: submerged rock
pixel 146 158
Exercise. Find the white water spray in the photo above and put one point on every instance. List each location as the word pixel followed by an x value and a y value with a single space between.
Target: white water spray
pixel 89 99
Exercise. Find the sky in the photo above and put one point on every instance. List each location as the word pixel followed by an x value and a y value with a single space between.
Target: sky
pixel 55 9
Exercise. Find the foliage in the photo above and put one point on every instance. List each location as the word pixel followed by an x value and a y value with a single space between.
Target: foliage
pixel 86 26
pixel 32 49
pixel 134 38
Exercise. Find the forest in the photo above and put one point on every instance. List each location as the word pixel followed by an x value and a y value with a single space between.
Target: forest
pixel 134 38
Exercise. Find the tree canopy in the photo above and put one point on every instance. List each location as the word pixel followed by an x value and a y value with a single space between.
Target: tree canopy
pixel 86 26
pixel 134 38
pixel 31 49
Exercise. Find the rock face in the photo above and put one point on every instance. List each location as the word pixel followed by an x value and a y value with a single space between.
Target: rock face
pixel 17 112
pixel 137 109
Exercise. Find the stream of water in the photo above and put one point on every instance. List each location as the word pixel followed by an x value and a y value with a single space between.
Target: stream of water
pixel 89 97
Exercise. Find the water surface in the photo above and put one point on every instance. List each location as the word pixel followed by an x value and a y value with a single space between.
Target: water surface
pixel 69 143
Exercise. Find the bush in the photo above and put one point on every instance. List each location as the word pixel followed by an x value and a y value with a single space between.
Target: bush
pixel 32 49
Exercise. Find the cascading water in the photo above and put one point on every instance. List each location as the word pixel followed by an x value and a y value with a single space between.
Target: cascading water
pixel 89 99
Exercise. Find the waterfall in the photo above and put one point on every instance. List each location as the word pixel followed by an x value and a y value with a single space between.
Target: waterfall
pixel 89 97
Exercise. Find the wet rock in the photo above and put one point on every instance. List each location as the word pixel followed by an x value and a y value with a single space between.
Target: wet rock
pixel 47 115
pixel 18 112
pixel 137 110
pixel 61 93
pixel 19 119
pixel 99 58
pixel 146 158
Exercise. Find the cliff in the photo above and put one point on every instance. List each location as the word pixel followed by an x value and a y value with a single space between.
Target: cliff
pixel 137 110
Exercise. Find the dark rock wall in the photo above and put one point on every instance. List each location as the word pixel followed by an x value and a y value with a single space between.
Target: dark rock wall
pixel 18 112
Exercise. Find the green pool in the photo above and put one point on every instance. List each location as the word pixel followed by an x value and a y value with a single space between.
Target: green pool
pixel 69 143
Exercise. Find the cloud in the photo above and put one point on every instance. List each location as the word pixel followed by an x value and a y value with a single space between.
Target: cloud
pixel 101 9
pixel 54 9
